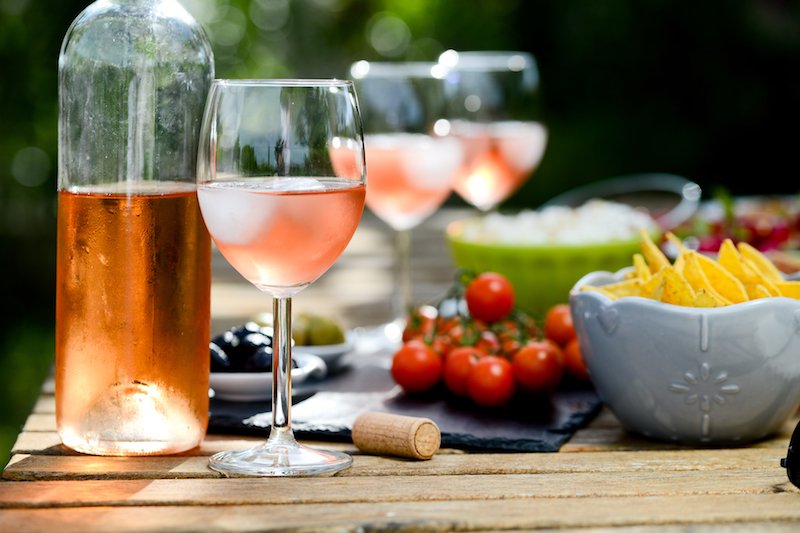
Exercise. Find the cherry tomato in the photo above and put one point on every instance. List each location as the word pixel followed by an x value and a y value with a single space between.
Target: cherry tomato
pixel 490 297
pixel 539 366
pixel 573 361
pixel 491 382
pixel 509 346
pixel 442 345
pixel 420 323
pixel 488 342
pixel 558 324
pixel 458 366
pixel 416 367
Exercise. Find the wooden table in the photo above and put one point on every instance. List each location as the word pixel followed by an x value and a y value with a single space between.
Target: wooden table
pixel 602 479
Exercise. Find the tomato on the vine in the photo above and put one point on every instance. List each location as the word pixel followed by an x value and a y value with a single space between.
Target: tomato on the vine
pixel 490 297
pixel 442 345
pixel 491 382
pixel 573 361
pixel 416 367
pixel 539 366
pixel 558 324
pixel 458 366
pixel 488 342
pixel 420 323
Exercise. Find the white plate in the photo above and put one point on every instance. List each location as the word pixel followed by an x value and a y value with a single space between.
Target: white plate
pixel 330 353
pixel 257 386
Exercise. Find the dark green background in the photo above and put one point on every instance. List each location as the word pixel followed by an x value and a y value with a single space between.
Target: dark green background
pixel 707 90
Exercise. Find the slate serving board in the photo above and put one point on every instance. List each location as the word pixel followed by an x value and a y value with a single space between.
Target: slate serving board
pixel 326 409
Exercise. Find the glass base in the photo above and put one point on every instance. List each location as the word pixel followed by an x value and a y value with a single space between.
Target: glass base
pixel 280 456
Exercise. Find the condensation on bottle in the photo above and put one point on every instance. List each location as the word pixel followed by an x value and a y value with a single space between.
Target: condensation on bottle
pixel 134 257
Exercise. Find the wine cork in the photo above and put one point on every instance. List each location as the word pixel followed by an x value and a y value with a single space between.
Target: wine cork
pixel 404 436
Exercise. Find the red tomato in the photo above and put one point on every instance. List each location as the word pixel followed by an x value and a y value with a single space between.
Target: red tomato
pixel 539 366
pixel 509 346
pixel 416 367
pixel 420 323
pixel 458 366
pixel 488 342
pixel 573 361
pixel 490 297
pixel 442 344
pixel 491 382
pixel 558 324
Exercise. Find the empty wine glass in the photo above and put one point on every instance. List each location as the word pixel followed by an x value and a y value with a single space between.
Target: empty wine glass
pixel 493 107
pixel 281 186
pixel 411 159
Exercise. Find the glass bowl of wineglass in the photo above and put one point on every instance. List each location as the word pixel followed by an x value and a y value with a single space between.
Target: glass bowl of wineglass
pixel 493 107
pixel 410 155
pixel 281 185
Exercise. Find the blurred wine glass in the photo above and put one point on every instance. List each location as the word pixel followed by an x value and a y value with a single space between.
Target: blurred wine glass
pixel 410 156
pixel 493 100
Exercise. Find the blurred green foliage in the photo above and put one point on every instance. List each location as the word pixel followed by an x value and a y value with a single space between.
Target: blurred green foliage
pixel 707 90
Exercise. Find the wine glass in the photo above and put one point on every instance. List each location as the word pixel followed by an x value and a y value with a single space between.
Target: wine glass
pixel 493 107
pixel 281 185
pixel 410 156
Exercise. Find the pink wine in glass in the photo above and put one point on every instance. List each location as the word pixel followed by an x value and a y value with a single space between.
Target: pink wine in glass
pixel 282 233
pixel 409 175
pixel 499 157
pixel 133 310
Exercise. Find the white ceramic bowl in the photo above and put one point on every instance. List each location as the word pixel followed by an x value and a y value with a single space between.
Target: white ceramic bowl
pixel 691 375
pixel 257 386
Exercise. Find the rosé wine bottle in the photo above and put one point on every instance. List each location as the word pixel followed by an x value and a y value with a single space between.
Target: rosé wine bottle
pixel 134 256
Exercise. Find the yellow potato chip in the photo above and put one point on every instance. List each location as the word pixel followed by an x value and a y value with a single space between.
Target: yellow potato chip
pixel 789 288
pixel 756 291
pixel 726 284
pixel 731 260
pixel 650 286
pixel 629 287
pixel 641 268
pixel 762 262
pixel 697 278
pixel 671 237
pixel 656 260
pixel 680 263
pixel 704 298
pixel 658 292
pixel 676 290
pixel 601 290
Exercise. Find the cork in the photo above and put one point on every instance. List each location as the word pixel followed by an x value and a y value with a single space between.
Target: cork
pixel 403 436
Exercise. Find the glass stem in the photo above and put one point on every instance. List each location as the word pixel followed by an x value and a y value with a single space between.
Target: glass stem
pixel 402 274
pixel 281 366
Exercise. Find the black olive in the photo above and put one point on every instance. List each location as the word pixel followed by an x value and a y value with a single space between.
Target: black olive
pixel 219 359
pixel 260 361
pixel 239 345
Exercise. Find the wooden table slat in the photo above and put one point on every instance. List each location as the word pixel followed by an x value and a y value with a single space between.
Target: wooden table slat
pixel 291 491
pixel 46 467
pixel 417 516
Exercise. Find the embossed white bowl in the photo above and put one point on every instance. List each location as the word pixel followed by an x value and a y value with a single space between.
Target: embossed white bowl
pixel 691 375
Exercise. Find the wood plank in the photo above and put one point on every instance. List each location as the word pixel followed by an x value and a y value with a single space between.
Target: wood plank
pixel 47 467
pixel 45 404
pixel 472 515
pixel 40 422
pixel 335 489
pixel 596 439
pixel 48 442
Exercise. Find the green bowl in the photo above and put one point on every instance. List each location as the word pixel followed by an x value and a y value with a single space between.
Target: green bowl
pixel 542 275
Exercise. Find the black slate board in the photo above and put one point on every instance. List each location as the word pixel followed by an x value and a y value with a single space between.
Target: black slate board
pixel 326 410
